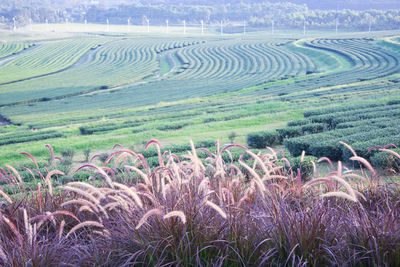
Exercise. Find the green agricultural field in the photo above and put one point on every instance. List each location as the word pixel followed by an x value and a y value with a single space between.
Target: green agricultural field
pixel 81 90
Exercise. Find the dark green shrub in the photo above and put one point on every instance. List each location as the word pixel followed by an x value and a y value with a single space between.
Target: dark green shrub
pixel 68 153
pixel 289 132
pixel 296 146
pixel 28 137
pixel 103 157
pixel 386 161
pixel 262 139
pixel 305 166
pixel 330 149
pixel 85 131
pixel 298 123
pixel 313 128
pixel 92 129
pixel 172 126
pixel 393 102
pixel 209 120
pixel 366 149
pixel 152 162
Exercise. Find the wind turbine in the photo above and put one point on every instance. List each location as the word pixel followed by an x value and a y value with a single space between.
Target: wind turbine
pixel 337 25
pixel 370 25
pixel 273 27
pixel 337 19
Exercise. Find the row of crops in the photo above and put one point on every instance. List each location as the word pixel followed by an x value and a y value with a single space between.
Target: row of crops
pixel 205 67
pixel 362 54
pixel 103 63
pixel 22 137
pixel 363 61
pixel 12 48
pixel 47 58
pixel 363 126
pixel 240 60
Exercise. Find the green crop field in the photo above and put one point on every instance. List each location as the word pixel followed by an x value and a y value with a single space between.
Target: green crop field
pixel 79 90
pixel 239 133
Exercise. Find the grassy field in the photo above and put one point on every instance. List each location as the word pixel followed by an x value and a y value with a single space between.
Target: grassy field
pixel 80 89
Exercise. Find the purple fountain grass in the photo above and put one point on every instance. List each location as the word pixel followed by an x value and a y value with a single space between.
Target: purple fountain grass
pixel 188 211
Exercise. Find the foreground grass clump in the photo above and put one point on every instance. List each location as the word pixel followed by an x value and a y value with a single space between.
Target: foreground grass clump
pixel 190 212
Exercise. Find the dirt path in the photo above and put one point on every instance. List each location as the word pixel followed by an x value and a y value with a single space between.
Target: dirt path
pixel 170 59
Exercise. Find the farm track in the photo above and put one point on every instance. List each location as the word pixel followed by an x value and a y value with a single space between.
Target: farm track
pixel 173 64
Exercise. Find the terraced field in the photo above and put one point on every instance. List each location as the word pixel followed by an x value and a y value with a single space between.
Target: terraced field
pixel 86 91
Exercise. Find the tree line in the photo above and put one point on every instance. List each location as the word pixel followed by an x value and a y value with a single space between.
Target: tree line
pixel 256 14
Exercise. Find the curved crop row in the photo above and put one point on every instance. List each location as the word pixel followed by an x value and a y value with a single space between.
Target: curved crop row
pixel 12 48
